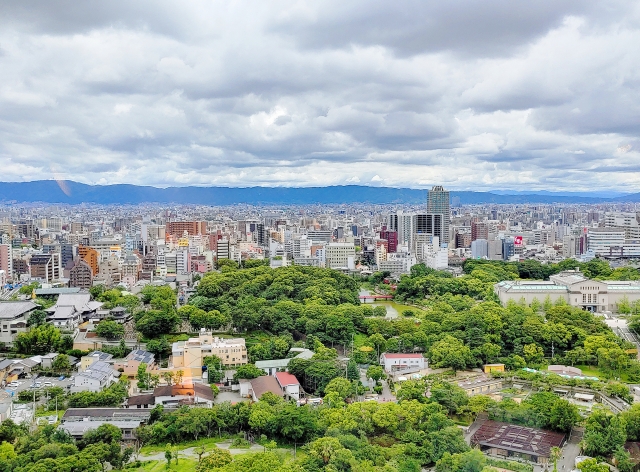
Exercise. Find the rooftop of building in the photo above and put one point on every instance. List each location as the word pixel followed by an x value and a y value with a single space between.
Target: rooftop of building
pixel 391 355
pixel 11 309
pixel 522 439
pixel 264 384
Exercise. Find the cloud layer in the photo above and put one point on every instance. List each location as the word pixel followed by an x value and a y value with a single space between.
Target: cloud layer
pixel 472 95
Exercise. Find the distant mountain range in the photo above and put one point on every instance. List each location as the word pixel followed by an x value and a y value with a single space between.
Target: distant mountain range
pixel 69 192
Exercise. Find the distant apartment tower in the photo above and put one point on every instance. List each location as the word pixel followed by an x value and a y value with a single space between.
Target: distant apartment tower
pixel 45 267
pixel 438 201
pixel 479 231
pixel 68 253
pixel 391 237
pixel 91 257
pixel 403 224
pixel 6 260
pixel 193 228
pixel 81 275
pixel 479 249
pixel 223 249
pixel 463 240
pixel 20 266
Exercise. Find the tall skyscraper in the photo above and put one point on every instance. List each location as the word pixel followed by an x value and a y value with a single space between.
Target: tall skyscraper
pixel 438 202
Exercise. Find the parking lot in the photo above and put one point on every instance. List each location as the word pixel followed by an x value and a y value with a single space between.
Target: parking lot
pixel 25 383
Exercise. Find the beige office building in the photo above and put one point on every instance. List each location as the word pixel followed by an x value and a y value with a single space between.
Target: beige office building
pixel 191 353
pixel 573 288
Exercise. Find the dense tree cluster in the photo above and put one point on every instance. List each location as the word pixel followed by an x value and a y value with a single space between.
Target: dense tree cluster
pixel 112 396
pixel 42 339
pixel 162 316
pixel 50 449
pixel 115 297
pixel 367 435
pixel 281 300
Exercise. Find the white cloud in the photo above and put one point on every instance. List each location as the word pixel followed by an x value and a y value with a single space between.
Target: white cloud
pixel 476 95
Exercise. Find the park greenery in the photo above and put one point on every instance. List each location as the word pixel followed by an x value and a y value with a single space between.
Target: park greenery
pixel 457 323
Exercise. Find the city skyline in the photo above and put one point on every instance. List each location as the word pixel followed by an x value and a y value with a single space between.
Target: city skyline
pixel 471 96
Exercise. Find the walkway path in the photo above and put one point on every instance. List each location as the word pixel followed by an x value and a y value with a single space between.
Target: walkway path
pixel 191 454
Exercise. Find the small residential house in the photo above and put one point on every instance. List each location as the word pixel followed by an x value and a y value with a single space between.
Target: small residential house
pixel 97 377
pixel 188 394
pixel 129 365
pixel 270 367
pixel 394 362
pixel 95 356
pixel 257 387
pixel 289 385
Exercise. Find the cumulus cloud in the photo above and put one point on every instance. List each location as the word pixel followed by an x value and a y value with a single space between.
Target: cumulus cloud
pixel 472 95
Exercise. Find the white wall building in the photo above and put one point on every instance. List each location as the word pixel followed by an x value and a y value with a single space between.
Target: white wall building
pixel 393 362
pixel 573 288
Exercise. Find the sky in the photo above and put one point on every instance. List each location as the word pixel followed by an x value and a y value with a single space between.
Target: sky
pixel 472 95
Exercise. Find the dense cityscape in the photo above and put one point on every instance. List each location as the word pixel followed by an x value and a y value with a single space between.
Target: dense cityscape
pixel 244 337
pixel 319 236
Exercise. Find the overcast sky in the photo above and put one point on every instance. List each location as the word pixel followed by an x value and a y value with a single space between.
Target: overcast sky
pixel 472 95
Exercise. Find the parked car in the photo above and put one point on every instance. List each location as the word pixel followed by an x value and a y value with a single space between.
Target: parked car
pixel 61 377
pixel 48 384
pixel 38 384
pixel 13 384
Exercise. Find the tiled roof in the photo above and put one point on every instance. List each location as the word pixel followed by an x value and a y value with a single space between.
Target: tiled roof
pixel 264 384
pixel 10 310
pixel 285 378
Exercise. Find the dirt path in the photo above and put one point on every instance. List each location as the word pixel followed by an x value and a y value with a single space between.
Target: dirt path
pixel 191 454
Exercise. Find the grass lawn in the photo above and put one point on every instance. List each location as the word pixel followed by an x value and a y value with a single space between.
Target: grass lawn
pixel 591 371
pixel 206 442
pixel 50 413
pixel 184 465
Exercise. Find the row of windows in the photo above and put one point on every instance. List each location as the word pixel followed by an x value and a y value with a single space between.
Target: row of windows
pixel 590 298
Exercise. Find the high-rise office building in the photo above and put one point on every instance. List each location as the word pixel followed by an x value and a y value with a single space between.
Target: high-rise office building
pixel 438 202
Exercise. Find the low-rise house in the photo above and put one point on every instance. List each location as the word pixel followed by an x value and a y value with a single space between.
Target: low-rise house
pixel 129 365
pixel 98 376
pixel 289 385
pixel 13 319
pixel 176 395
pixel 394 362
pixel 257 387
pixel 47 360
pixel 95 356
pixel 271 367
pixel 146 400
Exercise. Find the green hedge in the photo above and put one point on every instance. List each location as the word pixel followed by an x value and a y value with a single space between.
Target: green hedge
pixel 510 465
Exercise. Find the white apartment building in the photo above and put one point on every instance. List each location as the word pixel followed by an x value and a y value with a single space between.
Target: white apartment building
pixel 601 240
pixel 626 221
pixel 394 362
pixel 340 255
